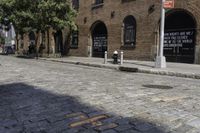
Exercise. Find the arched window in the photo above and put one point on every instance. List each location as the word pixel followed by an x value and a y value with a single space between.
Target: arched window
pixel 129 31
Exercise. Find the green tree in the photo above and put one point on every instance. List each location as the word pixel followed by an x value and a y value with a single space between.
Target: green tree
pixel 38 15
pixel 56 14
pixel 2 40
pixel 19 13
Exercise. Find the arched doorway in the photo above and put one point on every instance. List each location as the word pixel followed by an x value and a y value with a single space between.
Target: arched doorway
pixel 58 42
pixel 180 36
pixel 99 39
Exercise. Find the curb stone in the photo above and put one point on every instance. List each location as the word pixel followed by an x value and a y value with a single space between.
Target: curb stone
pixel 131 69
pixel 84 64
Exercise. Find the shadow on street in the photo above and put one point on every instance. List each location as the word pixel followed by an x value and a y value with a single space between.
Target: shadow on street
pixel 29 109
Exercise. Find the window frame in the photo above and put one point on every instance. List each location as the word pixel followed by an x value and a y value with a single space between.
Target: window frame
pixel 129 31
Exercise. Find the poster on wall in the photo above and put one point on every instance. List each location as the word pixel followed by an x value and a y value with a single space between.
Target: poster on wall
pixel 99 45
pixel 99 42
pixel 183 39
pixel 179 46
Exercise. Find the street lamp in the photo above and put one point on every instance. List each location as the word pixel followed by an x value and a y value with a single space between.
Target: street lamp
pixel 160 59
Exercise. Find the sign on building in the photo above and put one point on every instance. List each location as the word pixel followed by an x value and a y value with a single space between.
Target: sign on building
pixel 179 46
pixel 168 4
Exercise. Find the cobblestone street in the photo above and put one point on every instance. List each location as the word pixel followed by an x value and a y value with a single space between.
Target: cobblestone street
pixel 48 97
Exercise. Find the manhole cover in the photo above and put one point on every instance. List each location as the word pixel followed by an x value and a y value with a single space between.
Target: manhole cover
pixel 158 86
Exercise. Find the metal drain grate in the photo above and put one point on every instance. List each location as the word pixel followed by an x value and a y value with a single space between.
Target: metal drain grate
pixel 165 87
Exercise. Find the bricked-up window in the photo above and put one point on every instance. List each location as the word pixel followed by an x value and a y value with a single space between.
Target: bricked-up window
pixel 74 42
pixel 129 31
pixel 75 4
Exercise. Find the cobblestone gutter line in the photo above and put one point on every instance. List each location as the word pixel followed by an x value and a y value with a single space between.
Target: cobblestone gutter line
pixel 130 69
pixel 170 73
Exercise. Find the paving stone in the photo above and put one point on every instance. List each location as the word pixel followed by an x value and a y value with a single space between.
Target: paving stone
pixel 89 131
pixel 122 121
pixel 93 124
pixel 38 95
pixel 194 123
pixel 73 130
pixel 112 119
pixel 106 127
pixel 183 128
pixel 123 127
pixel 96 113
pixel 109 131
pixel 155 130
pixel 130 131
pixel 88 120
pixel 144 126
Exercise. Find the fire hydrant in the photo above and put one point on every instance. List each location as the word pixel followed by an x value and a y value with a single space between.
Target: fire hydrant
pixel 115 57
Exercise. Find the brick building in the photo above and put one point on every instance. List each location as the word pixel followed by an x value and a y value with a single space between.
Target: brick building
pixel 132 26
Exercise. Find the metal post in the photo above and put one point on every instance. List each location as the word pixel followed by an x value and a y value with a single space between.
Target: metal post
pixel 160 59
pixel 105 57
pixel 122 58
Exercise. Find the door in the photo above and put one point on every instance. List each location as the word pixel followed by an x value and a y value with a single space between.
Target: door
pixel 180 36
pixel 179 46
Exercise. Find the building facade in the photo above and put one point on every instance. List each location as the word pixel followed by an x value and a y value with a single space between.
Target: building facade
pixel 132 26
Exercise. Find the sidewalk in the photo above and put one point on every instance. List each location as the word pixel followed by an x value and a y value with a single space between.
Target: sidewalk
pixel 173 69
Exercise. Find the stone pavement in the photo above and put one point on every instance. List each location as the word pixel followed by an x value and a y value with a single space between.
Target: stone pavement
pixel 38 96
pixel 173 69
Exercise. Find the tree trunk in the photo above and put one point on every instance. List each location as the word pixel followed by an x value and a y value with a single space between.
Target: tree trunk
pixel 17 41
pixel 37 44
pixel 67 43
pixel 48 45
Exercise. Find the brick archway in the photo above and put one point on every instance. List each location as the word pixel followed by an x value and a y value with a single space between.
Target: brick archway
pixel 180 36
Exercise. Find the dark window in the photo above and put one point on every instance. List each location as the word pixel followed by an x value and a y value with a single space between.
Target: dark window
pixel 124 1
pixel 98 2
pixel 129 31
pixel 75 4
pixel 74 43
